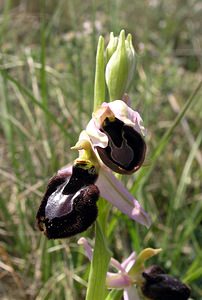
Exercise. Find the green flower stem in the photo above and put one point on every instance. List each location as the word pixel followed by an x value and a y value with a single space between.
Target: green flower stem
pixel 101 255
pixel 104 208
pixel 99 266
pixel 115 295
pixel 99 85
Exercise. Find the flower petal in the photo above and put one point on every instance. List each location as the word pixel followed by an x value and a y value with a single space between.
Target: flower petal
pixel 129 262
pixel 89 251
pixel 98 138
pixel 118 280
pixel 114 191
pixel 126 114
pixel 116 264
pixel 130 293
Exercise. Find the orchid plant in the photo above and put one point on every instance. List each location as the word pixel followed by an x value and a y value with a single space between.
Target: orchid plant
pixel 112 143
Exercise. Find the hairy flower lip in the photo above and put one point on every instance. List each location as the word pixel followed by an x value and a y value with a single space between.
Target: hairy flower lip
pixel 116 133
pixel 69 204
pixel 54 182
pixel 114 191
pixel 158 285
pixel 130 160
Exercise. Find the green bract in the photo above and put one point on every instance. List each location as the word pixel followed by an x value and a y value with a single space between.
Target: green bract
pixel 111 47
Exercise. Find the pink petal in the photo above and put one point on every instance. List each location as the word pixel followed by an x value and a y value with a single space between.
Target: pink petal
pixel 98 138
pixel 66 170
pixel 89 251
pixel 114 191
pixel 130 293
pixel 129 262
pixel 126 114
pixel 118 280
pixel 115 263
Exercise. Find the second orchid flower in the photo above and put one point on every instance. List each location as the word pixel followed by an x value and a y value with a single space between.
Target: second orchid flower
pixel 117 133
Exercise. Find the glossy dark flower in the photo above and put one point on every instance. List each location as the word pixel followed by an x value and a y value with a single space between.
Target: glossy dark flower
pixel 160 286
pixel 117 134
pixel 69 204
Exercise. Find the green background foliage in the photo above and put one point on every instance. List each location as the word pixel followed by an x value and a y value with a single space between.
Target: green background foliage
pixel 47 60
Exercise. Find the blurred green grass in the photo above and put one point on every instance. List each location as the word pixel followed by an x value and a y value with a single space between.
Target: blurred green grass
pixel 47 61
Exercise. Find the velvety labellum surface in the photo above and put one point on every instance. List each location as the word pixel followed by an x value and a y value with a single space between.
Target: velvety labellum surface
pixel 126 148
pixel 69 204
pixel 160 286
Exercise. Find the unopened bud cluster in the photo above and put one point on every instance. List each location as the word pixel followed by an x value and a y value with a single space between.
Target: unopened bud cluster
pixel 120 65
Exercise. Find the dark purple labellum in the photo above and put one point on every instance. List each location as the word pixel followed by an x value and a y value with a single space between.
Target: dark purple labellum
pixel 126 148
pixel 160 286
pixel 69 204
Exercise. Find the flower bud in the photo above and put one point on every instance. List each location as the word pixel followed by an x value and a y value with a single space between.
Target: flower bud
pixel 131 59
pixel 121 65
pixel 111 47
pixel 69 204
